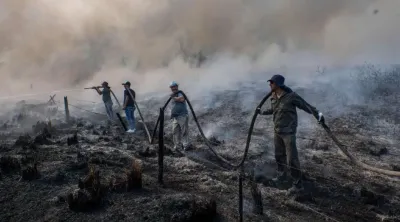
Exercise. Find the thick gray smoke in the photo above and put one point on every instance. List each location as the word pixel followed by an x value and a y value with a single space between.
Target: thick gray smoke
pixel 62 44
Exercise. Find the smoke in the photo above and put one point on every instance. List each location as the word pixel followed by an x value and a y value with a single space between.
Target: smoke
pixel 63 44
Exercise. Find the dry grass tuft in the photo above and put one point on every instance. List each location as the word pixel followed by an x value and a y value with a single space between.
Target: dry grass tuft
pixel 134 176
pixel 90 194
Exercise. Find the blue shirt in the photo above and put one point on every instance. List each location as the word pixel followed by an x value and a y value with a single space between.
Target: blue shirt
pixel 178 108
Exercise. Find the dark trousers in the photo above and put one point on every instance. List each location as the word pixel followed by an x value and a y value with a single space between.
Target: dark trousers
pixel 286 155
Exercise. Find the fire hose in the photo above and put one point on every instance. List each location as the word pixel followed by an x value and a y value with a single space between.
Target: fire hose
pixel 356 161
pixel 141 116
pixel 325 127
pixel 158 121
pixel 136 105
pixel 209 143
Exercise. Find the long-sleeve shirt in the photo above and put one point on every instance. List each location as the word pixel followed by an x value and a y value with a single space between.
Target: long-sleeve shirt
pixel 284 112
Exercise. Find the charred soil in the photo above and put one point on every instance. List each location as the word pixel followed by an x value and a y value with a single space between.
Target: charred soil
pixel 92 171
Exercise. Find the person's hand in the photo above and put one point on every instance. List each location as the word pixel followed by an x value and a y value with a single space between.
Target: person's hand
pixel 273 95
pixel 321 119
pixel 258 111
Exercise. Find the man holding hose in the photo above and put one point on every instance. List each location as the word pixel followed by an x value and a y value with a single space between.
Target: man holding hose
pixel 180 118
pixel 129 106
pixel 106 93
pixel 283 108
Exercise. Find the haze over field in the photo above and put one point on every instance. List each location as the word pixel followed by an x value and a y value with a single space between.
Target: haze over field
pixel 341 56
pixel 63 44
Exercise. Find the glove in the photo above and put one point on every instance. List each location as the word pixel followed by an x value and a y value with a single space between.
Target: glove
pixel 321 118
pixel 258 111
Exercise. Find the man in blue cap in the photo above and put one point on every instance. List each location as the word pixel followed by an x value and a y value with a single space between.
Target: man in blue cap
pixel 283 108
pixel 180 118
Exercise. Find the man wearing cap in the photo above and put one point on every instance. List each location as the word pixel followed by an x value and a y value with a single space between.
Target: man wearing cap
pixel 129 106
pixel 283 108
pixel 106 94
pixel 180 118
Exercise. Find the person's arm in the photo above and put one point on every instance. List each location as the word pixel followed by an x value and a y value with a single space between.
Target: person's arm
pixel 179 98
pixel 303 105
pixel 98 90
pixel 269 111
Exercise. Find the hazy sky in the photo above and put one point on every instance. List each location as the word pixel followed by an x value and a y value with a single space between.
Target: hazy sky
pixel 59 44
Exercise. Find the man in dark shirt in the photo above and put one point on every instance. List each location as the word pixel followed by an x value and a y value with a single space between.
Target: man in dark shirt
pixel 129 106
pixel 283 108
pixel 180 118
pixel 106 94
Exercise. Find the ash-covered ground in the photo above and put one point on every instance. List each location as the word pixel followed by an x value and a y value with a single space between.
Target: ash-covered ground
pixel 89 170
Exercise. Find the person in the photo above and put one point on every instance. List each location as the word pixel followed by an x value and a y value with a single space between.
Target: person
pixel 283 108
pixel 129 106
pixel 106 93
pixel 180 118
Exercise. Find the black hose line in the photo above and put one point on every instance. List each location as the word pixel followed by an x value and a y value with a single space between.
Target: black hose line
pixel 248 135
pixel 326 128
pixel 158 121
pixel 209 143
pixel 121 121
pixel 356 161
pixel 351 157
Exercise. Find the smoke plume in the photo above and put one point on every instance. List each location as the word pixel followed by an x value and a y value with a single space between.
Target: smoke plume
pixel 63 44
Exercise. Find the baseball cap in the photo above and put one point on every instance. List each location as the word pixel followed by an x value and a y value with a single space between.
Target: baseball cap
pixel 278 80
pixel 126 83
pixel 173 83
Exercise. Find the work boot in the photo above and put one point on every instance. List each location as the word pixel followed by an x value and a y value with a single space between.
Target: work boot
pixel 296 188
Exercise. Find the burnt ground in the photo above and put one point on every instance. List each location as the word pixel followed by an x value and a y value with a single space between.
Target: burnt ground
pixel 48 172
